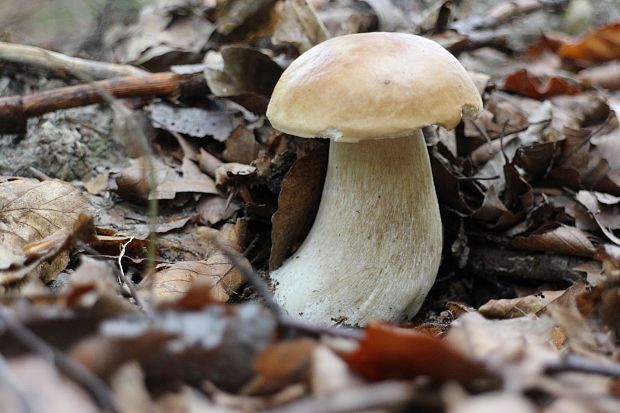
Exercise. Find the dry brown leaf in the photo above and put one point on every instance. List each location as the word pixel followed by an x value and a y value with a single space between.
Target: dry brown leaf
pixel 245 75
pixel 519 344
pixel 299 26
pixel 44 220
pixel 280 365
pixel 600 45
pixel 540 87
pixel 298 203
pixel 241 146
pixel 518 307
pixel 164 36
pixel 231 14
pixel 133 181
pixel 33 210
pixel 94 286
pixel 97 185
pixel 172 281
pixel 195 122
pixel 214 209
pixel 389 352
pixel 562 240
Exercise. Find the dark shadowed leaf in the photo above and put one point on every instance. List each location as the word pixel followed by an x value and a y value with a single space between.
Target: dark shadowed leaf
pixel 297 204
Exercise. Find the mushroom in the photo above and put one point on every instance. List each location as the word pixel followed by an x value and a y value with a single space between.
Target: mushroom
pixel 375 246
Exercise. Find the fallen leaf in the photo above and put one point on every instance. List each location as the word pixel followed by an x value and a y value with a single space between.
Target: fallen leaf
pixel 299 26
pixel 561 239
pixel 280 365
pixel 133 182
pixel 388 352
pixel 298 203
pixel 518 307
pixel 231 14
pixel 245 75
pixel 600 45
pixel 172 281
pixel 540 87
pixel 214 209
pixel 241 146
pixel 34 210
pixel 163 36
pixel 195 122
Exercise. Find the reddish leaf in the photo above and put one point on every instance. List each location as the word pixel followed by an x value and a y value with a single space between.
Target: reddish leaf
pixel 600 45
pixel 539 87
pixel 388 352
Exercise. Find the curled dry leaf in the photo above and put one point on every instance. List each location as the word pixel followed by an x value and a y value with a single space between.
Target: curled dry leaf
pixel 172 281
pixel 245 75
pixel 299 26
pixel 298 203
pixel 540 87
pixel 214 209
pixel 518 307
pixel 164 36
pixel 388 352
pixel 600 45
pixel 562 240
pixel 133 182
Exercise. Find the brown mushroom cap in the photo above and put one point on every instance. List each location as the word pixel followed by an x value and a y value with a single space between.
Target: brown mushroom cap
pixel 372 86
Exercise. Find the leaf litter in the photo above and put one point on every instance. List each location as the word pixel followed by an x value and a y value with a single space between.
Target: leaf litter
pixel 523 316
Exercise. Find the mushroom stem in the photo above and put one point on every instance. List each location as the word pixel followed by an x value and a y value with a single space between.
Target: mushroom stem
pixel 375 246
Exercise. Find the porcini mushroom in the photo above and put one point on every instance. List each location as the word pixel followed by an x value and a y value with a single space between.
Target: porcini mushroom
pixel 374 249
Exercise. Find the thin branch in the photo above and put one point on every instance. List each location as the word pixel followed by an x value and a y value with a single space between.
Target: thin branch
pixel 124 280
pixel 573 362
pixel 24 58
pixel 72 369
pixel 15 110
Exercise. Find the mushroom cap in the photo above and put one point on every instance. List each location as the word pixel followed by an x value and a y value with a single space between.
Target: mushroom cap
pixel 372 86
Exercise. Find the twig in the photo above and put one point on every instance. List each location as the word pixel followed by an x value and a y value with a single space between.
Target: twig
pixel 15 110
pixel 72 369
pixel 573 362
pixel 52 63
pixel 124 280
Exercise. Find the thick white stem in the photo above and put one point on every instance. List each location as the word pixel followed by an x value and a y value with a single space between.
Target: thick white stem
pixel 375 246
